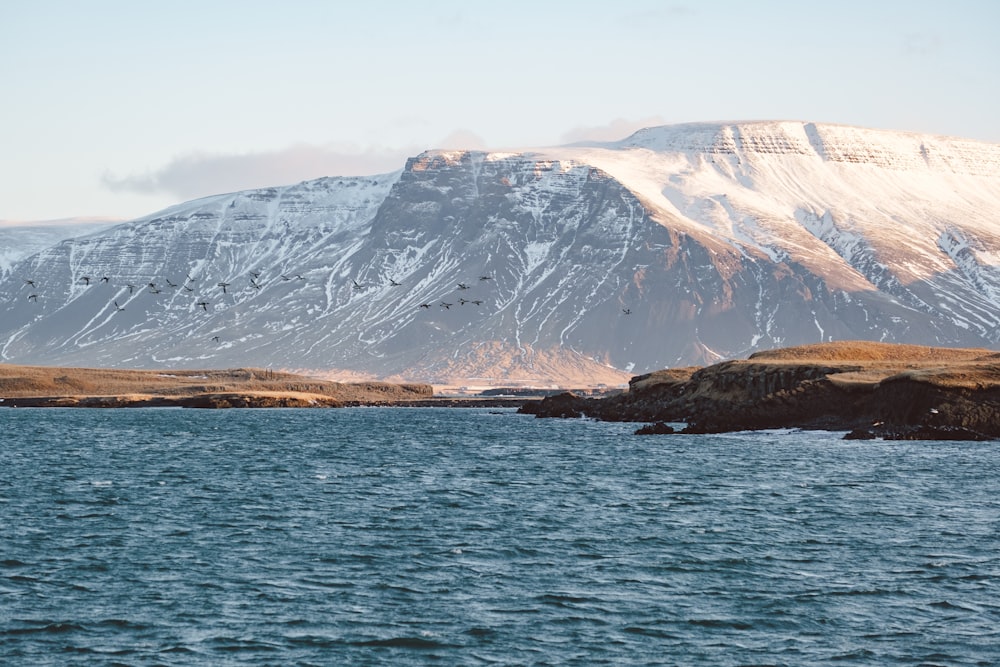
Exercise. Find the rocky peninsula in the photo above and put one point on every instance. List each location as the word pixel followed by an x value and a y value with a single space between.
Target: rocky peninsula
pixel 872 390
pixel 42 386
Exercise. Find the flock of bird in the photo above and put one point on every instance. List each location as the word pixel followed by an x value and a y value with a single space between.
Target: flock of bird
pixel 154 288
pixel 254 283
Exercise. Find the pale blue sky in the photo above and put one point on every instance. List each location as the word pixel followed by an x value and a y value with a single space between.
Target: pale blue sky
pixel 119 108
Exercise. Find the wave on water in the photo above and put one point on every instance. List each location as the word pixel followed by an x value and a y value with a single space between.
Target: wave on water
pixel 412 536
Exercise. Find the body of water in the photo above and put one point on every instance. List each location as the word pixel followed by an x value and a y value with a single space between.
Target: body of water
pixel 464 537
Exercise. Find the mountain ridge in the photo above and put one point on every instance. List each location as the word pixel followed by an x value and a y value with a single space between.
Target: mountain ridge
pixel 600 261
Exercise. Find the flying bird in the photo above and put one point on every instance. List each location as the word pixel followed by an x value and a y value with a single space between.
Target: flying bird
pixel 446 305
pixel 627 311
pixel 118 308
pixel 85 279
pixel 30 282
pixel 255 284
pixel 393 283
pixel 425 305
pixel 105 279
pixel 357 285
pixel 224 286
pixel 216 339
pixel 204 305
pixel 33 297
pixel 463 286
pixel 284 277
pixel 131 288
pixel 170 283
pixel 486 277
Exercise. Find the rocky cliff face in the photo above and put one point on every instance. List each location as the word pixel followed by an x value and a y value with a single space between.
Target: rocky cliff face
pixel 875 389
pixel 574 265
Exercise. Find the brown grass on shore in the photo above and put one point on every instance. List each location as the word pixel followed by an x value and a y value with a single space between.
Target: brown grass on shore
pixel 43 381
pixel 854 350
pixel 868 363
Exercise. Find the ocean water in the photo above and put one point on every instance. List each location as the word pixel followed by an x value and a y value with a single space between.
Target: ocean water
pixel 465 537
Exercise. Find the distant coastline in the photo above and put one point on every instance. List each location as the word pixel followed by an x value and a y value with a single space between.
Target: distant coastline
pixel 871 390
pixel 41 386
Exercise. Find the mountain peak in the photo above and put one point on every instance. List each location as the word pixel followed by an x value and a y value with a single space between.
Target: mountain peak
pixel 678 245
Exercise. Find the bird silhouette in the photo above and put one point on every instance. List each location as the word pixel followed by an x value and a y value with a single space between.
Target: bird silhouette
pixel 33 297
pixel 118 308
pixel 284 277
pixel 131 288
pixel 170 283
pixel 189 289
pixel 85 279
pixel 627 311
pixel 30 282
pixel 476 302
pixel 204 305
pixel 393 283
pixel 357 285
pixel 463 286
pixel 255 284
pixel 425 305
pixel 486 277
pixel 447 305
pixel 224 286
pixel 216 339
pixel 105 280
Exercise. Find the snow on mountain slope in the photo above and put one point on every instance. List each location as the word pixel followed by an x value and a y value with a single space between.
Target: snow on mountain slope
pixel 569 265
pixel 22 239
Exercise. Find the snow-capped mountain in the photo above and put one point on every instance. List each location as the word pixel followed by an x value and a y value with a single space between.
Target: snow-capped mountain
pixel 678 245
pixel 22 239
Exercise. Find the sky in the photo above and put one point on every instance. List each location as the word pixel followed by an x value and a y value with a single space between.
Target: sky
pixel 116 109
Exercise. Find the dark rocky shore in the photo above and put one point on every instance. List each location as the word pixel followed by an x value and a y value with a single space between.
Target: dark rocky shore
pixel 871 390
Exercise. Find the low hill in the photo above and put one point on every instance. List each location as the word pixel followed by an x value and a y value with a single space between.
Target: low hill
pixel 241 387
pixel 883 389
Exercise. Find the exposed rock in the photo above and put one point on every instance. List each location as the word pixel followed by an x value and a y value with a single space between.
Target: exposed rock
pixel 923 432
pixel 566 405
pixel 659 428
pixel 909 391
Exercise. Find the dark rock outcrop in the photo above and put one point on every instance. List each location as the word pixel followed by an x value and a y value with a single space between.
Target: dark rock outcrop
pixel 659 428
pixel 872 390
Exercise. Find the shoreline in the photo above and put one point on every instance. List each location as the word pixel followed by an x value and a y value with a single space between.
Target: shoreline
pixel 869 390
pixel 244 401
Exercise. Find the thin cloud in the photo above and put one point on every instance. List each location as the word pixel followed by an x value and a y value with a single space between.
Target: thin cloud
pixel 463 140
pixel 921 44
pixel 202 174
pixel 613 131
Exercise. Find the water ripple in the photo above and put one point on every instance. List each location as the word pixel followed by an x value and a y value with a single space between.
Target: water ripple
pixel 440 536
